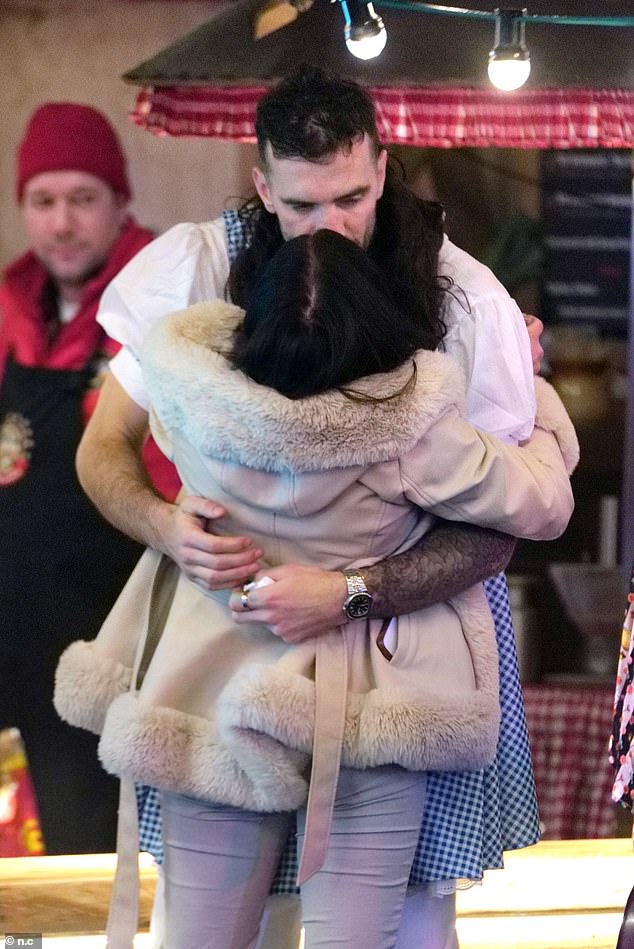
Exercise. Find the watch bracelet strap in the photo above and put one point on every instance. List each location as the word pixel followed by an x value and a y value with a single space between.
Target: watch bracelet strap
pixel 355 582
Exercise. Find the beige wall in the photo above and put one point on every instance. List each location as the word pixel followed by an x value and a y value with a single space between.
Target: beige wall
pixel 76 50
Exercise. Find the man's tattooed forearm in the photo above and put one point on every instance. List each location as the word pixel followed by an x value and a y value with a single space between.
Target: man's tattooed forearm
pixel 446 561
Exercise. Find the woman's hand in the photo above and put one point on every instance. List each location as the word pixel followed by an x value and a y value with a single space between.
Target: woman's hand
pixel 535 329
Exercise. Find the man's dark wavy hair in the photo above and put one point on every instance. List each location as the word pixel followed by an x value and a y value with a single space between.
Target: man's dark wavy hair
pixel 312 115
pixel 321 316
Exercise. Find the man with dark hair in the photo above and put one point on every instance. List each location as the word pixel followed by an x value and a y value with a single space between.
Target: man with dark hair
pixel 322 166
pixel 62 565
pixel 309 117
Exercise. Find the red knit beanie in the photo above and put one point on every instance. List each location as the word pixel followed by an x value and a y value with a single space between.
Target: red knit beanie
pixel 66 136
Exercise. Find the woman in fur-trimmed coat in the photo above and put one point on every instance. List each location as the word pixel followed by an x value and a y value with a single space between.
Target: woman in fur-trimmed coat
pixel 330 435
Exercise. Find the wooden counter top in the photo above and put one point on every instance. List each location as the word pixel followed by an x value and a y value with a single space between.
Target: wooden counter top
pixel 555 895
pixel 65 894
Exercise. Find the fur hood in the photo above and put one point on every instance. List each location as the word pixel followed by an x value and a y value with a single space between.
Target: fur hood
pixel 224 414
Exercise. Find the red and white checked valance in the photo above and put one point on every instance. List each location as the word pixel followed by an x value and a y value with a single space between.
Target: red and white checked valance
pixel 424 116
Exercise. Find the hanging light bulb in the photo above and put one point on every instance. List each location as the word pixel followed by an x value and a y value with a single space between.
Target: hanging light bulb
pixel 509 60
pixel 364 31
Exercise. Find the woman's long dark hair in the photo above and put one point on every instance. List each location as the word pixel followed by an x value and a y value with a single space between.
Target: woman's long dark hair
pixel 405 246
pixel 320 316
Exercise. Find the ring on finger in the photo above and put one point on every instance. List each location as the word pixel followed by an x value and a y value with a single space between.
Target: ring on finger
pixel 244 600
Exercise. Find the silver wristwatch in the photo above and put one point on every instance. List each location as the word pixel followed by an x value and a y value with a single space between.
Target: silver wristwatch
pixel 359 599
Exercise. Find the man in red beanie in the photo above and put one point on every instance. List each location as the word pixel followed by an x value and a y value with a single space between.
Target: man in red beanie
pixel 62 566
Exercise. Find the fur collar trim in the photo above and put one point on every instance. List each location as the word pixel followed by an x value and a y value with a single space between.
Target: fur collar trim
pixel 225 415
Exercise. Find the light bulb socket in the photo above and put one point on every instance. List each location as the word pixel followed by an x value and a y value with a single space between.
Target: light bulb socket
pixel 358 33
pixel 510 36
pixel 361 20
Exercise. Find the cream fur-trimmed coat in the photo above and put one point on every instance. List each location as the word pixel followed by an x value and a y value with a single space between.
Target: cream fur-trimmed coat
pixel 226 713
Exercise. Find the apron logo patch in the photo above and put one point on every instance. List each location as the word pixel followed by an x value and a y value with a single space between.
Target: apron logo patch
pixel 16 443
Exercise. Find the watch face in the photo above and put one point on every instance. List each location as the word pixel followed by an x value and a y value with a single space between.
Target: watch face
pixel 358 605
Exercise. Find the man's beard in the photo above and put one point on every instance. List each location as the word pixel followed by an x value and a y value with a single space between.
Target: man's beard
pixel 78 280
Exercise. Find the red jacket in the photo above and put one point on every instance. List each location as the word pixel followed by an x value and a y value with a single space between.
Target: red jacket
pixel 23 332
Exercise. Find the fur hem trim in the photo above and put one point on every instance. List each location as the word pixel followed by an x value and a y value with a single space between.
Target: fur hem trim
pixel 399 724
pixel 420 732
pixel 222 413
pixel 175 751
pixel 85 685
pixel 552 416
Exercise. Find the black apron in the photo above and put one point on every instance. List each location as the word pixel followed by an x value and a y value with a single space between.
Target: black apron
pixel 61 568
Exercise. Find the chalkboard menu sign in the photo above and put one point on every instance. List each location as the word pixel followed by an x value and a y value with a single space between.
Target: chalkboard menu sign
pixel 587 220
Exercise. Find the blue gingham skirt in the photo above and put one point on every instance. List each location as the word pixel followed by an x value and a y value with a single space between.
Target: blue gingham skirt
pixel 470 817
